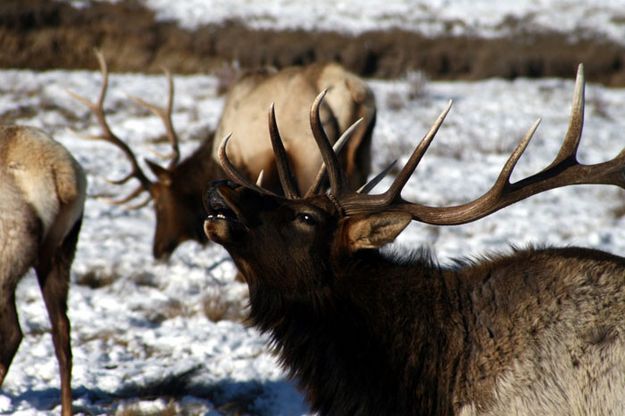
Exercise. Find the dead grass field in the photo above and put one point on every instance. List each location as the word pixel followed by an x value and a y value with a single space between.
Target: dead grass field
pixel 45 34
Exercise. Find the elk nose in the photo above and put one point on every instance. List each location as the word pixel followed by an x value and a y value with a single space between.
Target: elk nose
pixel 222 182
pixel 212 200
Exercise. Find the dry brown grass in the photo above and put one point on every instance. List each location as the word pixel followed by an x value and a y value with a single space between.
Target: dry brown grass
pixel 97 277
pixel 43 34
pixel 134 410
pixel 219 308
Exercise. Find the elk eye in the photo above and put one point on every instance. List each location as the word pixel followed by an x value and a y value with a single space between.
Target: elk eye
pixel 306 218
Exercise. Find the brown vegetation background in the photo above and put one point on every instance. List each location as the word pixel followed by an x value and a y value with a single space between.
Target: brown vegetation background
pixel 46 34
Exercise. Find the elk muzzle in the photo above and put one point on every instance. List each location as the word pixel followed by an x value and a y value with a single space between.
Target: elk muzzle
pixel 224 220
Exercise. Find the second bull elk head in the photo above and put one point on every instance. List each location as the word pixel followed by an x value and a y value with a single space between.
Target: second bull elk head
pixel 176 189
pixel 535 332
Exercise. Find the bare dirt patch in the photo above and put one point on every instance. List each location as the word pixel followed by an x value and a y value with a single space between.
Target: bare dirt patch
pixel 44 34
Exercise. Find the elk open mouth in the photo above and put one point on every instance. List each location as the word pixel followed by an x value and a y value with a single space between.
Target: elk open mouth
pixel 223 218
pixel 219 205
pixel 219 210
pixel 224 215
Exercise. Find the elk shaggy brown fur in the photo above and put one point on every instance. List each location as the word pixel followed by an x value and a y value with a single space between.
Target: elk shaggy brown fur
pixel 177 188
pixel 539 331
pixel 42 194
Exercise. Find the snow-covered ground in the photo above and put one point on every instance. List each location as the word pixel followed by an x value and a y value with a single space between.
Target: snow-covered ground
pixel 140 328
pixel 604 18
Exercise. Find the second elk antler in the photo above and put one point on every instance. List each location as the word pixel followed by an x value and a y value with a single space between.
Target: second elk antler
pixel 107 135
pixel 175 188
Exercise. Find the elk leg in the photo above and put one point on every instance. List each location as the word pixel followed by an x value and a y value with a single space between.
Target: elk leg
pixel 10 331
pixel 17 255
pixel 54 288
pixel 53 276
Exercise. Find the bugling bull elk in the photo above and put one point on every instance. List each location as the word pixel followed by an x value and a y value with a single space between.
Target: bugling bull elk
pixel 177 189
pixel 536 332
pixel 42 194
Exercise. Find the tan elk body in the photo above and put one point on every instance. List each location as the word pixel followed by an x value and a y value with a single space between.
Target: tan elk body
pixel 176 189
pixel 539 331
pixel 42 194
pixel 292 90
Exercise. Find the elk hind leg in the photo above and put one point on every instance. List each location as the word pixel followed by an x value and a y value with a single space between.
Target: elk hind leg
pixel 10 331
pixel 18 252
pixel 54 276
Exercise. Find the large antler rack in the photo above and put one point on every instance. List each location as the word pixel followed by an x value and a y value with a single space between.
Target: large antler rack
pixel 564 170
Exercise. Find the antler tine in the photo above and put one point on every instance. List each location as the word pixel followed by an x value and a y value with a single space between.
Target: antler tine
pixel 231 171
pixel 503 180
pixel 99 103
pixel 105 77
pixel 132 195
pixel 121 181
pixel 576 122
pixel 361 202
pixel 338 181
pixel 94 106
pixel 402 178
pixel 289 185
pixel 146 201
pixel 337 147
pixel 259 179
pixel 366 188
pixel 107 135
pixel 164 113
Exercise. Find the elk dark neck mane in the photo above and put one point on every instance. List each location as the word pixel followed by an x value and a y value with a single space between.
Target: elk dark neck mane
pixel 395 337
pixel 347 344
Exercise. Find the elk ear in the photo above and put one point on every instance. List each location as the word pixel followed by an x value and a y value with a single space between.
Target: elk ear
pixel 160 172
pixel 375 230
